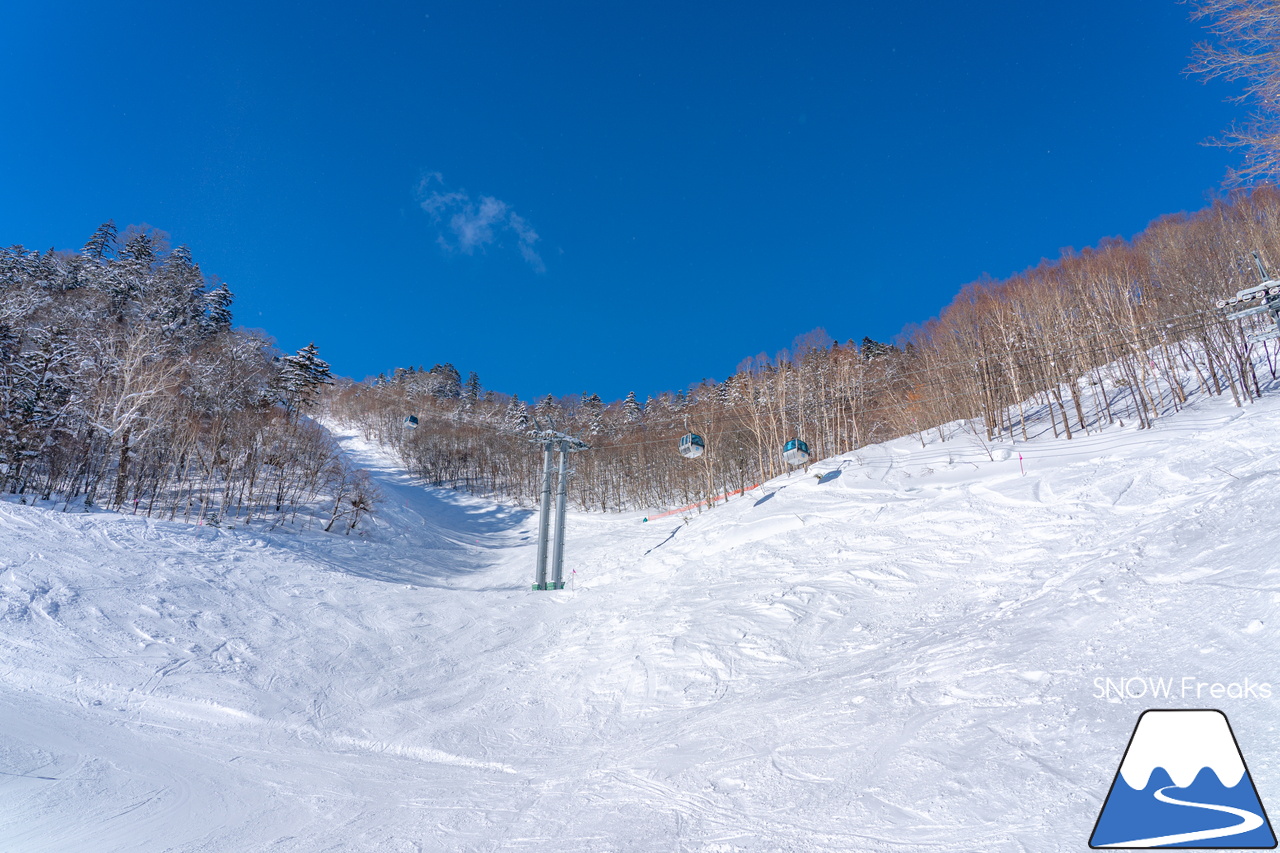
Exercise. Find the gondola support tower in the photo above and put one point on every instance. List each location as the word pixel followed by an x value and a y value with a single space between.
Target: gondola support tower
pixel 550 440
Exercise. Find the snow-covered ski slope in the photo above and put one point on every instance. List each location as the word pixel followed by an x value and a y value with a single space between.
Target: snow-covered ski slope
pixel 900 655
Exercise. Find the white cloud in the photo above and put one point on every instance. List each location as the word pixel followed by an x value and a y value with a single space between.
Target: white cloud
pixel 469 225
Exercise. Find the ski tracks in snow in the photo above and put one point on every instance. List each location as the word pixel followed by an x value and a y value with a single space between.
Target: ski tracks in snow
pixel 898 656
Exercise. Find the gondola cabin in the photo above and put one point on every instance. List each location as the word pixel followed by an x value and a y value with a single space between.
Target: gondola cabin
pixel 795 452
pixel 692 446
pixel 411 422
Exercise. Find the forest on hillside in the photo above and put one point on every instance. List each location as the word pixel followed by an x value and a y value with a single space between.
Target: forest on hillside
pixel 1137 315
pixel 124 385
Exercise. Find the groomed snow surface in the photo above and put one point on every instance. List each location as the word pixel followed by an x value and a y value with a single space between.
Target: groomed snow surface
pixel 900 655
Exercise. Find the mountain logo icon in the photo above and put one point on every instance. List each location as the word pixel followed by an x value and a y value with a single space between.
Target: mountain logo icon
pixel 1183 783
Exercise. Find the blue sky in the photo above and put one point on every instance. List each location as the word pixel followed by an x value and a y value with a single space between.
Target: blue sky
pixel 575 197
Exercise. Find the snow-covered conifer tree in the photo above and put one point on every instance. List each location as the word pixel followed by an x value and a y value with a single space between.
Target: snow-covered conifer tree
pixel 631 411
pixel 592 413
pixel 217 310
pixel 301 378
pixel 471 390
pixel 516 419
pixel 546 407
pixel 871 349
pixel 445 382
pixel 176 298
pixel 102 244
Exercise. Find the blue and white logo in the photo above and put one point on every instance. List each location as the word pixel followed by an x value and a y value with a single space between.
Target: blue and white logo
pixel 1183 783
